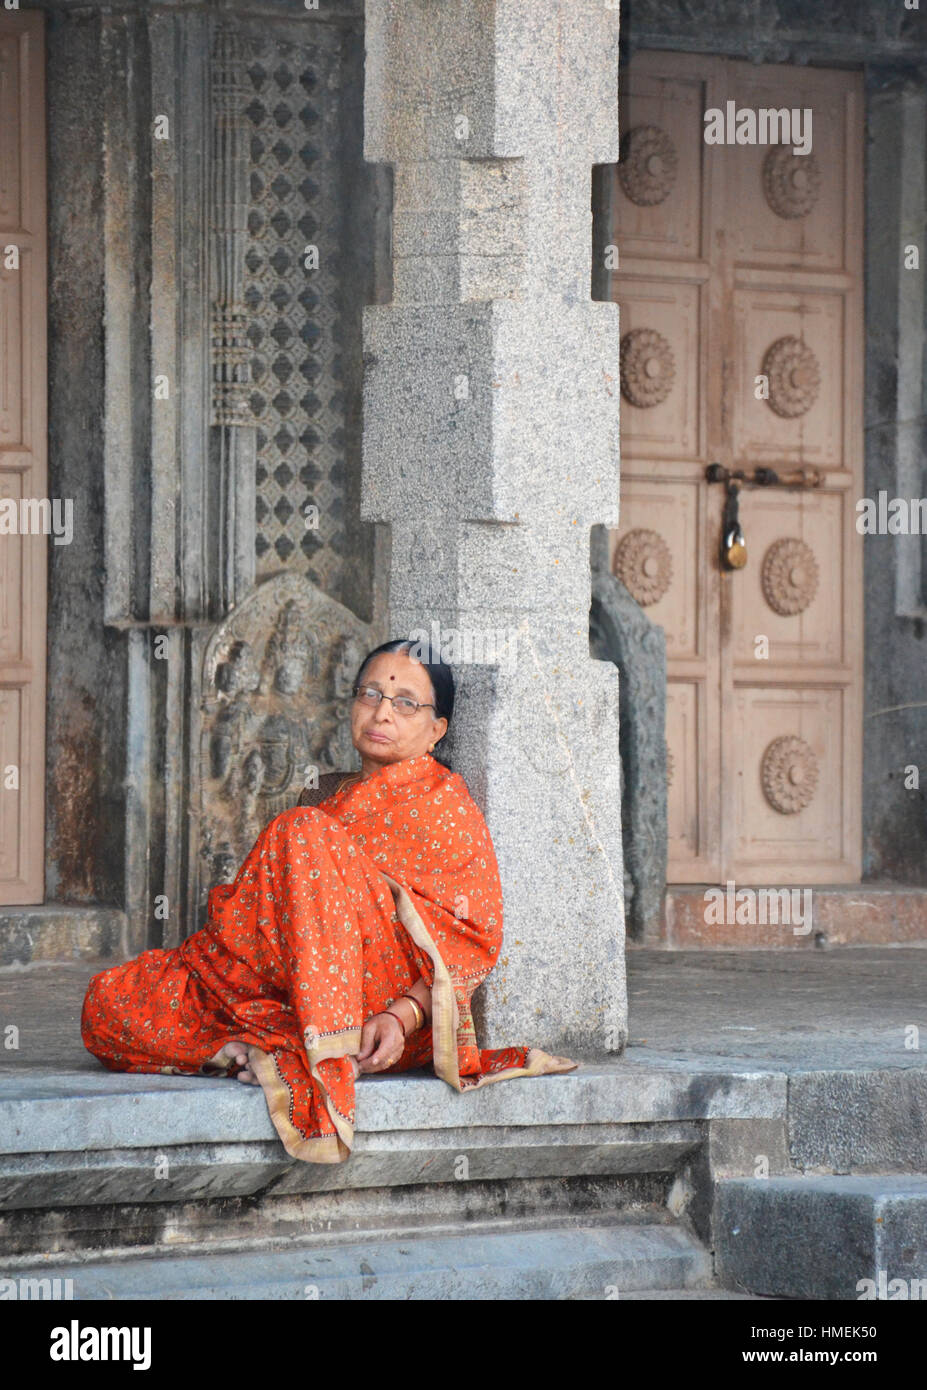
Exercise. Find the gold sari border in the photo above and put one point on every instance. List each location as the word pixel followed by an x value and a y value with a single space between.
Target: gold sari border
pixel 445 1017
pixel 540 1063
pixel 445 1021
pixel 326 1148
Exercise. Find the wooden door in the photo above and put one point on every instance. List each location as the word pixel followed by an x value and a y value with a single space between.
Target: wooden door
pixel 739 281
pixel 23 474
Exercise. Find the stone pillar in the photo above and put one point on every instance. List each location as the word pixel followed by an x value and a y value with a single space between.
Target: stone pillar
pixel 895 566
pixel 491 449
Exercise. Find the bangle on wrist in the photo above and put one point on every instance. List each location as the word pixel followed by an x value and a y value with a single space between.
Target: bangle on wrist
pixel 419 1011
pixel 398 1020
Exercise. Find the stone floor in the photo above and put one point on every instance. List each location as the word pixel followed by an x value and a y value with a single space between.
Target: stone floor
pixel 806 1058
pixel 826 1009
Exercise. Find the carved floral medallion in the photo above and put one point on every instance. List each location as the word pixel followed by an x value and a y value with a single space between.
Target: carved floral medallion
pixel 791 182
pixel 647 165
pixel 794 376
pixel 644 565
pixel 647 367
pixel 789 576
pixel 789 774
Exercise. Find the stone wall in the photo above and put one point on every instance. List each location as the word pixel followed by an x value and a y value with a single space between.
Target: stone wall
pixel 179 261
pixel 895 712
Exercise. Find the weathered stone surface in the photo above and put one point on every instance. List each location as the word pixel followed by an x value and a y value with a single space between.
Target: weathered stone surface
pixel 583 1261
pixel 621 632
pixel 843 914
pixel 733 1148
pixel 145 238
pixel 44 1112
pixel 56 933
pixel 895 570
pixel 788 31
pixel 784 1011
pixel 275 710
pixel 819 1237
pixel 85 719
pixel 859 1121
pixel 491 413
pixel 173 1172
pixel 274 1215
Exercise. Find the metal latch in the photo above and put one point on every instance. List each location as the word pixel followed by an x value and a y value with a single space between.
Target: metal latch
pixel 733 542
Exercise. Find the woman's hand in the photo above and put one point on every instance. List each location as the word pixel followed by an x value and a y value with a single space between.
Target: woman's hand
pixel 382 1043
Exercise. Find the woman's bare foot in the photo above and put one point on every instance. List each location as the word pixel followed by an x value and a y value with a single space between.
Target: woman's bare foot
pixel 550 1062
pixel 235 1053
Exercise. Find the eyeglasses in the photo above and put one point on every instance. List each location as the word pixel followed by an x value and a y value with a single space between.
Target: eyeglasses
pixel 369 695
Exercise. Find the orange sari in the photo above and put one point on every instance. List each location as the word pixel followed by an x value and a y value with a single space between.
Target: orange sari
pixel 336 912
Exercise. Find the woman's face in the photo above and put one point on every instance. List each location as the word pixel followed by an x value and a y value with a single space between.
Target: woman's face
pixel 379 735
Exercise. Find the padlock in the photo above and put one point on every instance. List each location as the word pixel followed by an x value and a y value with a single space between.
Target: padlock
pixel 733 544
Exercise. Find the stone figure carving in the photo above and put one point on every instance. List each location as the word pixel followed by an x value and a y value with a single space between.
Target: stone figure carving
pixel 339 750
pixel 275 705
pixel 621 632
pixel 289 707
pixel 236 679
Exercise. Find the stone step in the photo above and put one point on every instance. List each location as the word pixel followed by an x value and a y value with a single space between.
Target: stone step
pixel 213 1226
pixel 98 1138
pixel 821 1237
pixel 56 932
pixel 686 1295
pixel 580 1261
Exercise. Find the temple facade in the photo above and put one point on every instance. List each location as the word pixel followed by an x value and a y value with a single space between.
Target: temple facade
pixel 321 325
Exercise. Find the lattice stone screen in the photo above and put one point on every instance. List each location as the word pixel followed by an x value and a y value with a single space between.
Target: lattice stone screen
pixel 294 312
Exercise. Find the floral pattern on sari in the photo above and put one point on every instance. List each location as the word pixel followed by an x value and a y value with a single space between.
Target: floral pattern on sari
pixel 336 911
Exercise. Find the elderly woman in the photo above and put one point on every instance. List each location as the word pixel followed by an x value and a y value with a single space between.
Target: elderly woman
pixel 351 941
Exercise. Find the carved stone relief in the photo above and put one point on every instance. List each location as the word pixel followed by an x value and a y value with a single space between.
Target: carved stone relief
pixel 794 376
pixel 789 774
pixel 295 330
pixel 644 565
pixel 791 182
pixel 277 678
pixel 647 367
pixel 789 576
pixel 647 165
pixel 230 357
pixel 621 632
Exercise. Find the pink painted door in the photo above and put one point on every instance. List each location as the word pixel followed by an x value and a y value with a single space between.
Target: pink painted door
pixel 23 474
pixel 739 281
